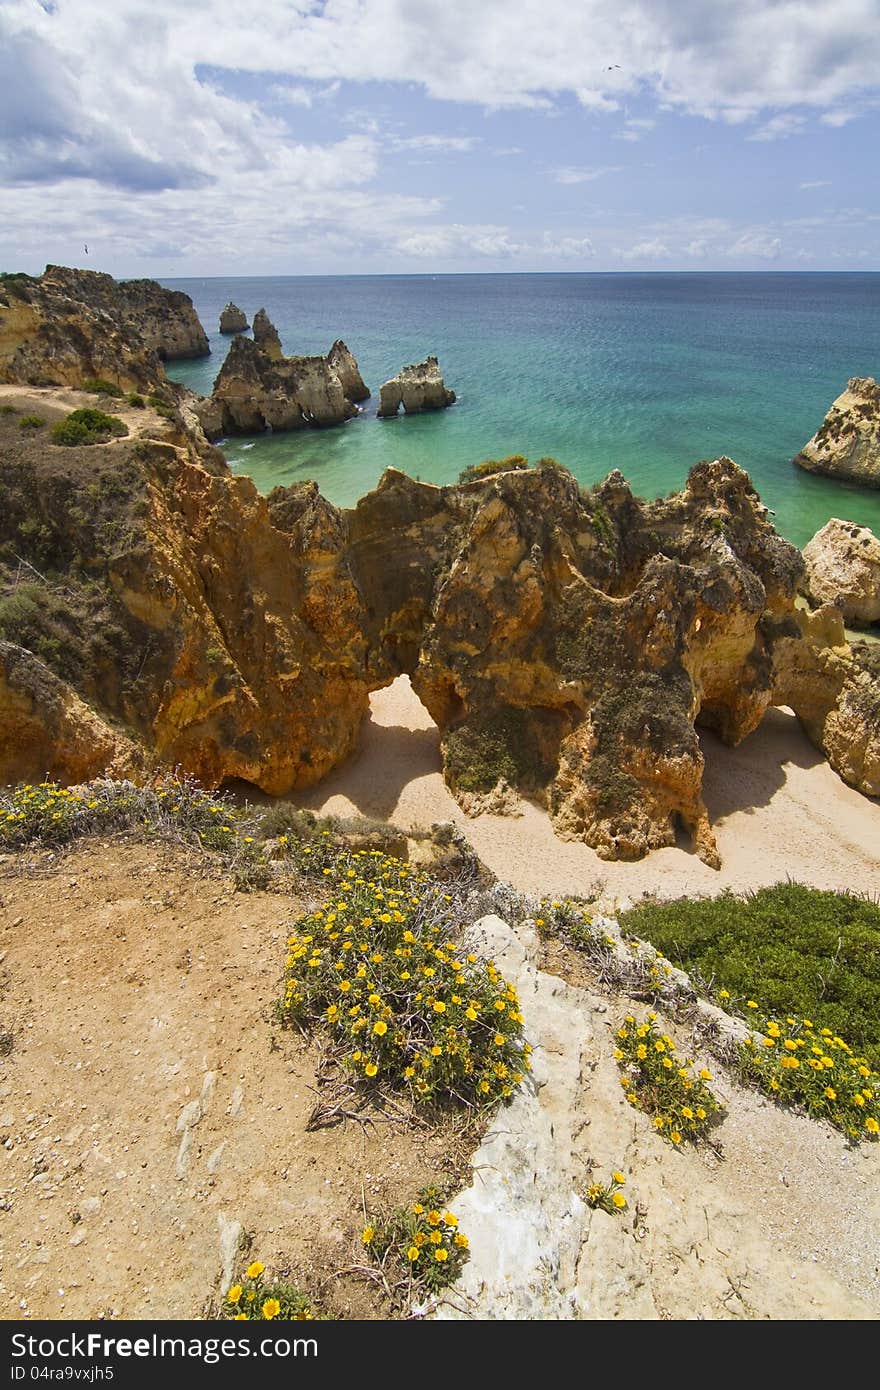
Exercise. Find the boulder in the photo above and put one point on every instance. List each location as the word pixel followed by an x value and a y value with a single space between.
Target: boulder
pixel 266 335
pixel 843 568
pixel 847 443
pixel 416 388
pixel 255 391
pixel 233 319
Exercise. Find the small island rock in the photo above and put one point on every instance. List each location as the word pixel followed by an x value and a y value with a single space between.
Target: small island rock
pixel 266 335
pixel 233 319
pixel 847 443
pixel 416 388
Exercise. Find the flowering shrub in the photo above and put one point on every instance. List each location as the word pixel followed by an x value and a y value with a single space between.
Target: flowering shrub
pixel 255 1299
pixel 403 1004
pixel 422 1243
pixel 654 1080
pixel 607 1196
pixel 795 1062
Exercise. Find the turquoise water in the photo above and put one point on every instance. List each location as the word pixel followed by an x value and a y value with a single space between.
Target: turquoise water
pixel 645 373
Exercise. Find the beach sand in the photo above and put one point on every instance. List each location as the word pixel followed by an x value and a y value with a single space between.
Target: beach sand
pixel 777 808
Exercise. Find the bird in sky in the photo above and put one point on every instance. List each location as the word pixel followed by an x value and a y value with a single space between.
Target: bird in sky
pixel 86 249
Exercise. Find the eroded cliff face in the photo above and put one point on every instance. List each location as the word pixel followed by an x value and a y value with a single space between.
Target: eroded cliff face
pixel 68 326
pixel 565 641
pixel 847 443
pixel 255 391
pixel 843 568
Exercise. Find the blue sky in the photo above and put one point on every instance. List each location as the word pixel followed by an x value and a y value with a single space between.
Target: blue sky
pixel 379 136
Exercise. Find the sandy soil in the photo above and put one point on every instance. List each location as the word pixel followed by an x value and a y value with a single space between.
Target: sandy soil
pixel 778 810
pixel 151 1105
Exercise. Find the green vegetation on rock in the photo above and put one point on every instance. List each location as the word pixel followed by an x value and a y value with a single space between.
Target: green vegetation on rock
pixel 488 467
pixel 88 426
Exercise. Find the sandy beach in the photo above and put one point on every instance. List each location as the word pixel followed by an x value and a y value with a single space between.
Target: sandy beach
pixel 777 808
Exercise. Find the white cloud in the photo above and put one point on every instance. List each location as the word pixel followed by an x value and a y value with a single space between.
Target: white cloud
pixel 815 183
pixel 757 245
pixel 644 251
pixel 438 143
pixel 697 248
pixel 571 175
pixel 838 118
pixel 458 242
pixel 567 247
pixel 780 127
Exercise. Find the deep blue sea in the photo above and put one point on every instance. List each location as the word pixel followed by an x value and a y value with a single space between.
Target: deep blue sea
pixel 645 373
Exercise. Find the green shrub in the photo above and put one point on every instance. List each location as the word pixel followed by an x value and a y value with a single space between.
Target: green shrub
pixel 258 1299
pixel 798 950
pixel 98 386
pixel 31 422
pixel 399 1001
pixel 88 426
pixel 419 1249
pixel 136 400
pixel 474 471
pixel 8 409
pixel 655 1080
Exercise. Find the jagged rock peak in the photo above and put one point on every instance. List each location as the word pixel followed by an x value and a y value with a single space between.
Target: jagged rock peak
pixel 256 391
pixel 843 568
pixel 343 362
pixel 266 335
pixel 233 319
pixel 847 443
pixel 416 388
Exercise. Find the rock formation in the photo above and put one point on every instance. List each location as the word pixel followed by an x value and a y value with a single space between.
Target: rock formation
pixel 343 363
pixel 843 568
pixel 266 335
pixel 256 392
pixel 67 327
pixel 847 443
pixel 416 388
pixel 233 319
pixel 564 641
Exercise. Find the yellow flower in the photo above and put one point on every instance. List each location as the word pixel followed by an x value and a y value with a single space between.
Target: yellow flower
pixel 371 1069
pixel 418 1209
pixel 234 1294
pixel 751 1004
pixel 724 994
pixel 439 1006
pixel 461 1240
pixel 705 1075
pixel 872 1126
pixel 435 1237
pixel 255 1270
pixel 498 1040
pixel 619 1200
pixel 831 1093
pixel 450 1219
pixel 413 1253
pixel 380 1028
pixel 471 1014
pixel 433 1218
pixel 367 1234
pixel 687 1112
pixel 271 1308
pixel 441 1256
pixel 618 1177
pixel 858 1100
pixel 675 1136
pixel 618 1055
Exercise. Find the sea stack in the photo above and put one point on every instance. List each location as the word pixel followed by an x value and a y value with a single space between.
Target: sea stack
pixel 266 335
pixel 258 390
pixel 233 320
pixel 847 443
pixel 346 368
pixel 416 388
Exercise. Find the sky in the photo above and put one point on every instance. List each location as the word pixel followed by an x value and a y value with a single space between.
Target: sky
pixel 273 137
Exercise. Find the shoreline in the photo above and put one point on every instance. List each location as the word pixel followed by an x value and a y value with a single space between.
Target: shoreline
pixel 777 808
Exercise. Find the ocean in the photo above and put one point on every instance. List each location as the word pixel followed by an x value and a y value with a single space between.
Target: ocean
pixel 645 373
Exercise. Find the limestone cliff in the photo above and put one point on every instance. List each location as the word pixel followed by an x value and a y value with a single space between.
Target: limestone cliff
pixel 416 388
pixel 843 568
pixel 847 443
pixel 565 641
pixel 67 327
pixel 233 319
pixel 342 361
pixel 255 391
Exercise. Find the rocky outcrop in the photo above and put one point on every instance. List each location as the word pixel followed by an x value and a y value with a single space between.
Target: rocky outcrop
pixel 67 327
pixel 266 335
pixel 416 388
pixel 256 392
pixel 343 363
pixel 847 443
pixel 233 319
pixel 843 568
pixel 566 642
